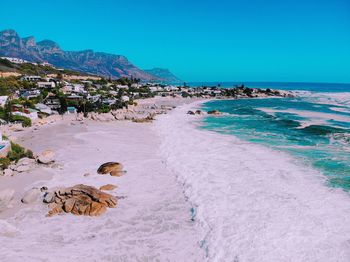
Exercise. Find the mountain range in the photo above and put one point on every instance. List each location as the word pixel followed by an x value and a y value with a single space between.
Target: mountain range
pixel 86 61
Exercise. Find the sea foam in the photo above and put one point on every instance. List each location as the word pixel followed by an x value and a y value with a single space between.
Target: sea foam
pixel 252 202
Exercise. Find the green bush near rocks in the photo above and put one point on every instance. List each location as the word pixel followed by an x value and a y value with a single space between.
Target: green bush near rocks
pixel 17 152
pixel 26 122
pixel 4 162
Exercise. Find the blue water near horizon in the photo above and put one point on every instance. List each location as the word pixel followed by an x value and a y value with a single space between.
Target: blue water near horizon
pixel 303 86
pixel 314 127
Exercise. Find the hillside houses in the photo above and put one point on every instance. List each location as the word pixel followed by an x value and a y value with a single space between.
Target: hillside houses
pixel 47 94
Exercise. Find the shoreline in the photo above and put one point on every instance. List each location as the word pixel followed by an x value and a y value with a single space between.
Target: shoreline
pixel 279 210
pixel 203 198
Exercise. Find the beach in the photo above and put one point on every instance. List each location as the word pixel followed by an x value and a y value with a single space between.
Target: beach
pixel 188 195
pixel 152 221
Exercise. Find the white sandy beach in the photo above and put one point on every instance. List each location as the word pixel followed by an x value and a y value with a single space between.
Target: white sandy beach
pixel 191 195
pixel 153 222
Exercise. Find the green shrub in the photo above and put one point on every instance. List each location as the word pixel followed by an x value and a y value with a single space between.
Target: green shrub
pixel 4 162
pixel 29 154
pixel 26 122
pixel 104 109
pixel 17 152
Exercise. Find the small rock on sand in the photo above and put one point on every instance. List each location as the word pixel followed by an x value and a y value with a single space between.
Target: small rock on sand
pixel 46 157
pixel 31 196
pixel 21 169
pixel 7 172
pixel 6 196
pixel 113 168
pixel 108 187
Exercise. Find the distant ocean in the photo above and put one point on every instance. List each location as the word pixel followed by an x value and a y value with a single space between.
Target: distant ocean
pixel 314 127
pixel 315 87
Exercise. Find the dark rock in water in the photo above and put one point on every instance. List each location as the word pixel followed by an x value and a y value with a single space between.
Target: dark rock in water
pixel 190 113
pixel 198 112
pixel 112 168
pixel 214 112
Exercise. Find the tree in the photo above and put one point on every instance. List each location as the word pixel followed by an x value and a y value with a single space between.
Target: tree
pixel 63 105
pixel 8 111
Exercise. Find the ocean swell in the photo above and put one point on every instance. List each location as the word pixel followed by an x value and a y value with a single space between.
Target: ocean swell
pixel 254 203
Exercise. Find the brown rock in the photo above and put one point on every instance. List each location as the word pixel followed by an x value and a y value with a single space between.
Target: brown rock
pixel 46 157
pixel 68 205
pixel 81 200
pixel 113 168
pixel 108 187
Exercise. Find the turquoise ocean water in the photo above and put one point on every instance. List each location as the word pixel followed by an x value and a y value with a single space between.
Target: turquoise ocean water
pixel 314 127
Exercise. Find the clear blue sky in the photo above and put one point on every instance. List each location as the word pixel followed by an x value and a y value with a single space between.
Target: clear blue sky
pixel 204 40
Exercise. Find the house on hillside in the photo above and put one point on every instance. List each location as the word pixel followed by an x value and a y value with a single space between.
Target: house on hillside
pixel 43 108
pixel 28 94
pixel 53 102
pixel 19 110
pixel 46 85
pixel 31 78
pixel 3 100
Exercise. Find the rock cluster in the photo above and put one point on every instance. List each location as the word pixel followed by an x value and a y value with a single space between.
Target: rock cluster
pixel 27 164
pixel 23 165
pixel 79 200
pixel 112 168
pixel 139 114
pixel 197 112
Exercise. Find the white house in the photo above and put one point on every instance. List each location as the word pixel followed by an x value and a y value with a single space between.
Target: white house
pixel 135 85
pixel 43 108
pixel 14 60
pixel 3 100
pixel 46 84
pixel 123 86
pixel 31 78
pixel 30 93
pixel 33 114
pixel 125 98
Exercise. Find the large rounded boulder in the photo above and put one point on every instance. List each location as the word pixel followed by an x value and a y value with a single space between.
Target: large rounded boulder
pixel 112 168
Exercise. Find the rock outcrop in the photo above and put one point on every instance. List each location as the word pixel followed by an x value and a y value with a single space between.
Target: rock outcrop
pixel 112 168
pixel 79 200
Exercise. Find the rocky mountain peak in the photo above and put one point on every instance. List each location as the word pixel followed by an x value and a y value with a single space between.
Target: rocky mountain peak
pixel 29 41
pixel 86 61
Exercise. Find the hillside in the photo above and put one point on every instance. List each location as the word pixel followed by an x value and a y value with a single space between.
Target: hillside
pixel 32 69
pixel 87 61
pixel 164 75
